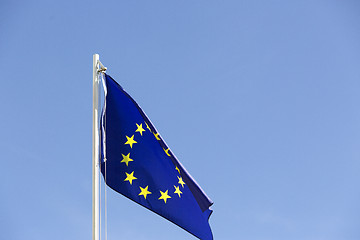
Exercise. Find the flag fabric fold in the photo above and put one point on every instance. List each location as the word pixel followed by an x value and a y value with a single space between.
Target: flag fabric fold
pixel 137 163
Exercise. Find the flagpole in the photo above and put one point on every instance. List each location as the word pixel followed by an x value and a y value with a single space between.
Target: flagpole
pixel 95 152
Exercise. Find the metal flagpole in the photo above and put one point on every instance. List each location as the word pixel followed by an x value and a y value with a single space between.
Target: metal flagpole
pixel 95 152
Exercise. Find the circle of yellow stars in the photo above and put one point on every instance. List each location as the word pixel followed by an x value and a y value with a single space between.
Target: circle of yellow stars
pixel 144 191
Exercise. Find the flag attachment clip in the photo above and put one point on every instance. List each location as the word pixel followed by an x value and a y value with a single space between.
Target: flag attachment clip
pixel 101 67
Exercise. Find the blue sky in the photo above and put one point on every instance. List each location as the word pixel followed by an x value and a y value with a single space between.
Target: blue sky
pixel 258 100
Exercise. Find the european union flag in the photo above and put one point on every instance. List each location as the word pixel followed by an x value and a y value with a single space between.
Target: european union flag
pixel 137 163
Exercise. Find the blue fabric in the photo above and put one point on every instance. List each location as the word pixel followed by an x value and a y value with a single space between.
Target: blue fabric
pixel 140 166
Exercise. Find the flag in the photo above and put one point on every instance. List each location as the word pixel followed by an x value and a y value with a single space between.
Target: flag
pixel 137 163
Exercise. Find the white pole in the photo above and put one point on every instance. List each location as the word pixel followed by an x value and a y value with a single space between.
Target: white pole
pixel 95 152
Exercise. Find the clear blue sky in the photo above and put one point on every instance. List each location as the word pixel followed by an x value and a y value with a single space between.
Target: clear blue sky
pixel 258 99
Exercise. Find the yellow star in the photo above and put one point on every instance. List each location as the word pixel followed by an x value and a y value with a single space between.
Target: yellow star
pixel 177 190
pixel 157 136
pixel 126 159
pixel 177 169
pixel 164 196
pixel 181 181
pixel 130 140
pixel 144 191
pixel 140 128
pixel 148 127
pixel 167 151
pixel 130 177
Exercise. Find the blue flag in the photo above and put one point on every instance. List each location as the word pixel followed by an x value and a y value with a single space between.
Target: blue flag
pixel 137 163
